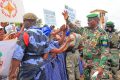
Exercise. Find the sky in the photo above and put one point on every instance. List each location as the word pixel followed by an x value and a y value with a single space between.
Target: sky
pixel 82 8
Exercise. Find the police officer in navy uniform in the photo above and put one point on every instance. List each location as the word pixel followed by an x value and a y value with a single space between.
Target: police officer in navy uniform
pixel 30 52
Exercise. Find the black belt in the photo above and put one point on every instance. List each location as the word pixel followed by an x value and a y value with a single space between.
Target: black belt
pixel 71 49
pixel 27 57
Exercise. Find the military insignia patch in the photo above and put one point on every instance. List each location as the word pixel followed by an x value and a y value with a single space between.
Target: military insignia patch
pixel 104 43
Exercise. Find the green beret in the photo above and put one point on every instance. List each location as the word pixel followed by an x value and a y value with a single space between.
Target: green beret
pixel 0 54
pixel 92 15
pixel 109 23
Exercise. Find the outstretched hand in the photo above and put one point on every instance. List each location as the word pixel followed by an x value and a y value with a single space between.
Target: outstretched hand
pixel 65 15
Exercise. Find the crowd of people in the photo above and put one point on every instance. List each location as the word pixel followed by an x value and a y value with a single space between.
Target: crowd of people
pixel 70 52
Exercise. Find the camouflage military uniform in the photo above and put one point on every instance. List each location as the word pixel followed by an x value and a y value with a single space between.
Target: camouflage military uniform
pixel 114 51
pixel 94 40
pixel 114 46
pixel 95 43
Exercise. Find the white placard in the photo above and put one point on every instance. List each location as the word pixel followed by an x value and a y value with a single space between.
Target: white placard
pixel 6 51
pixel 71 12
pixel 49 17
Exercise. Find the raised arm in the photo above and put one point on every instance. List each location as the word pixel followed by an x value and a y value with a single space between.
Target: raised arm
pixel 62 48
pixel 72 27
pixel 66 17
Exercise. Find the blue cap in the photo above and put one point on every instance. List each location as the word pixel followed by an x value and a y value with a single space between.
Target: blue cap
pixel 46 30
pixel 67 32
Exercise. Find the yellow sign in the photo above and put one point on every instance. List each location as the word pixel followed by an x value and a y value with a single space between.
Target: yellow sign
pixel 9 7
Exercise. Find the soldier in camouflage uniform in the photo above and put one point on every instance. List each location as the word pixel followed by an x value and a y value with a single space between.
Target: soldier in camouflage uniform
pixel 94 40
pixel 114 46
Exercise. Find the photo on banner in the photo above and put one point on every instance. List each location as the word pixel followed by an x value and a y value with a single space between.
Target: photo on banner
pixel 11 11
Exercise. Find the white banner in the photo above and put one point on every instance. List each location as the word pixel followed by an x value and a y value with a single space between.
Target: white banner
pixel 49 17
pixel 71 12
pixel 6 51
pixel 11 11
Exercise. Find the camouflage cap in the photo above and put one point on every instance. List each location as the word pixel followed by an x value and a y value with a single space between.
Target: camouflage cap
pixel 30 16
pixel 92 15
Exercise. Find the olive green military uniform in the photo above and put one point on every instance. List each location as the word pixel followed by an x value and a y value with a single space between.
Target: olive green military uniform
pixel 72 63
